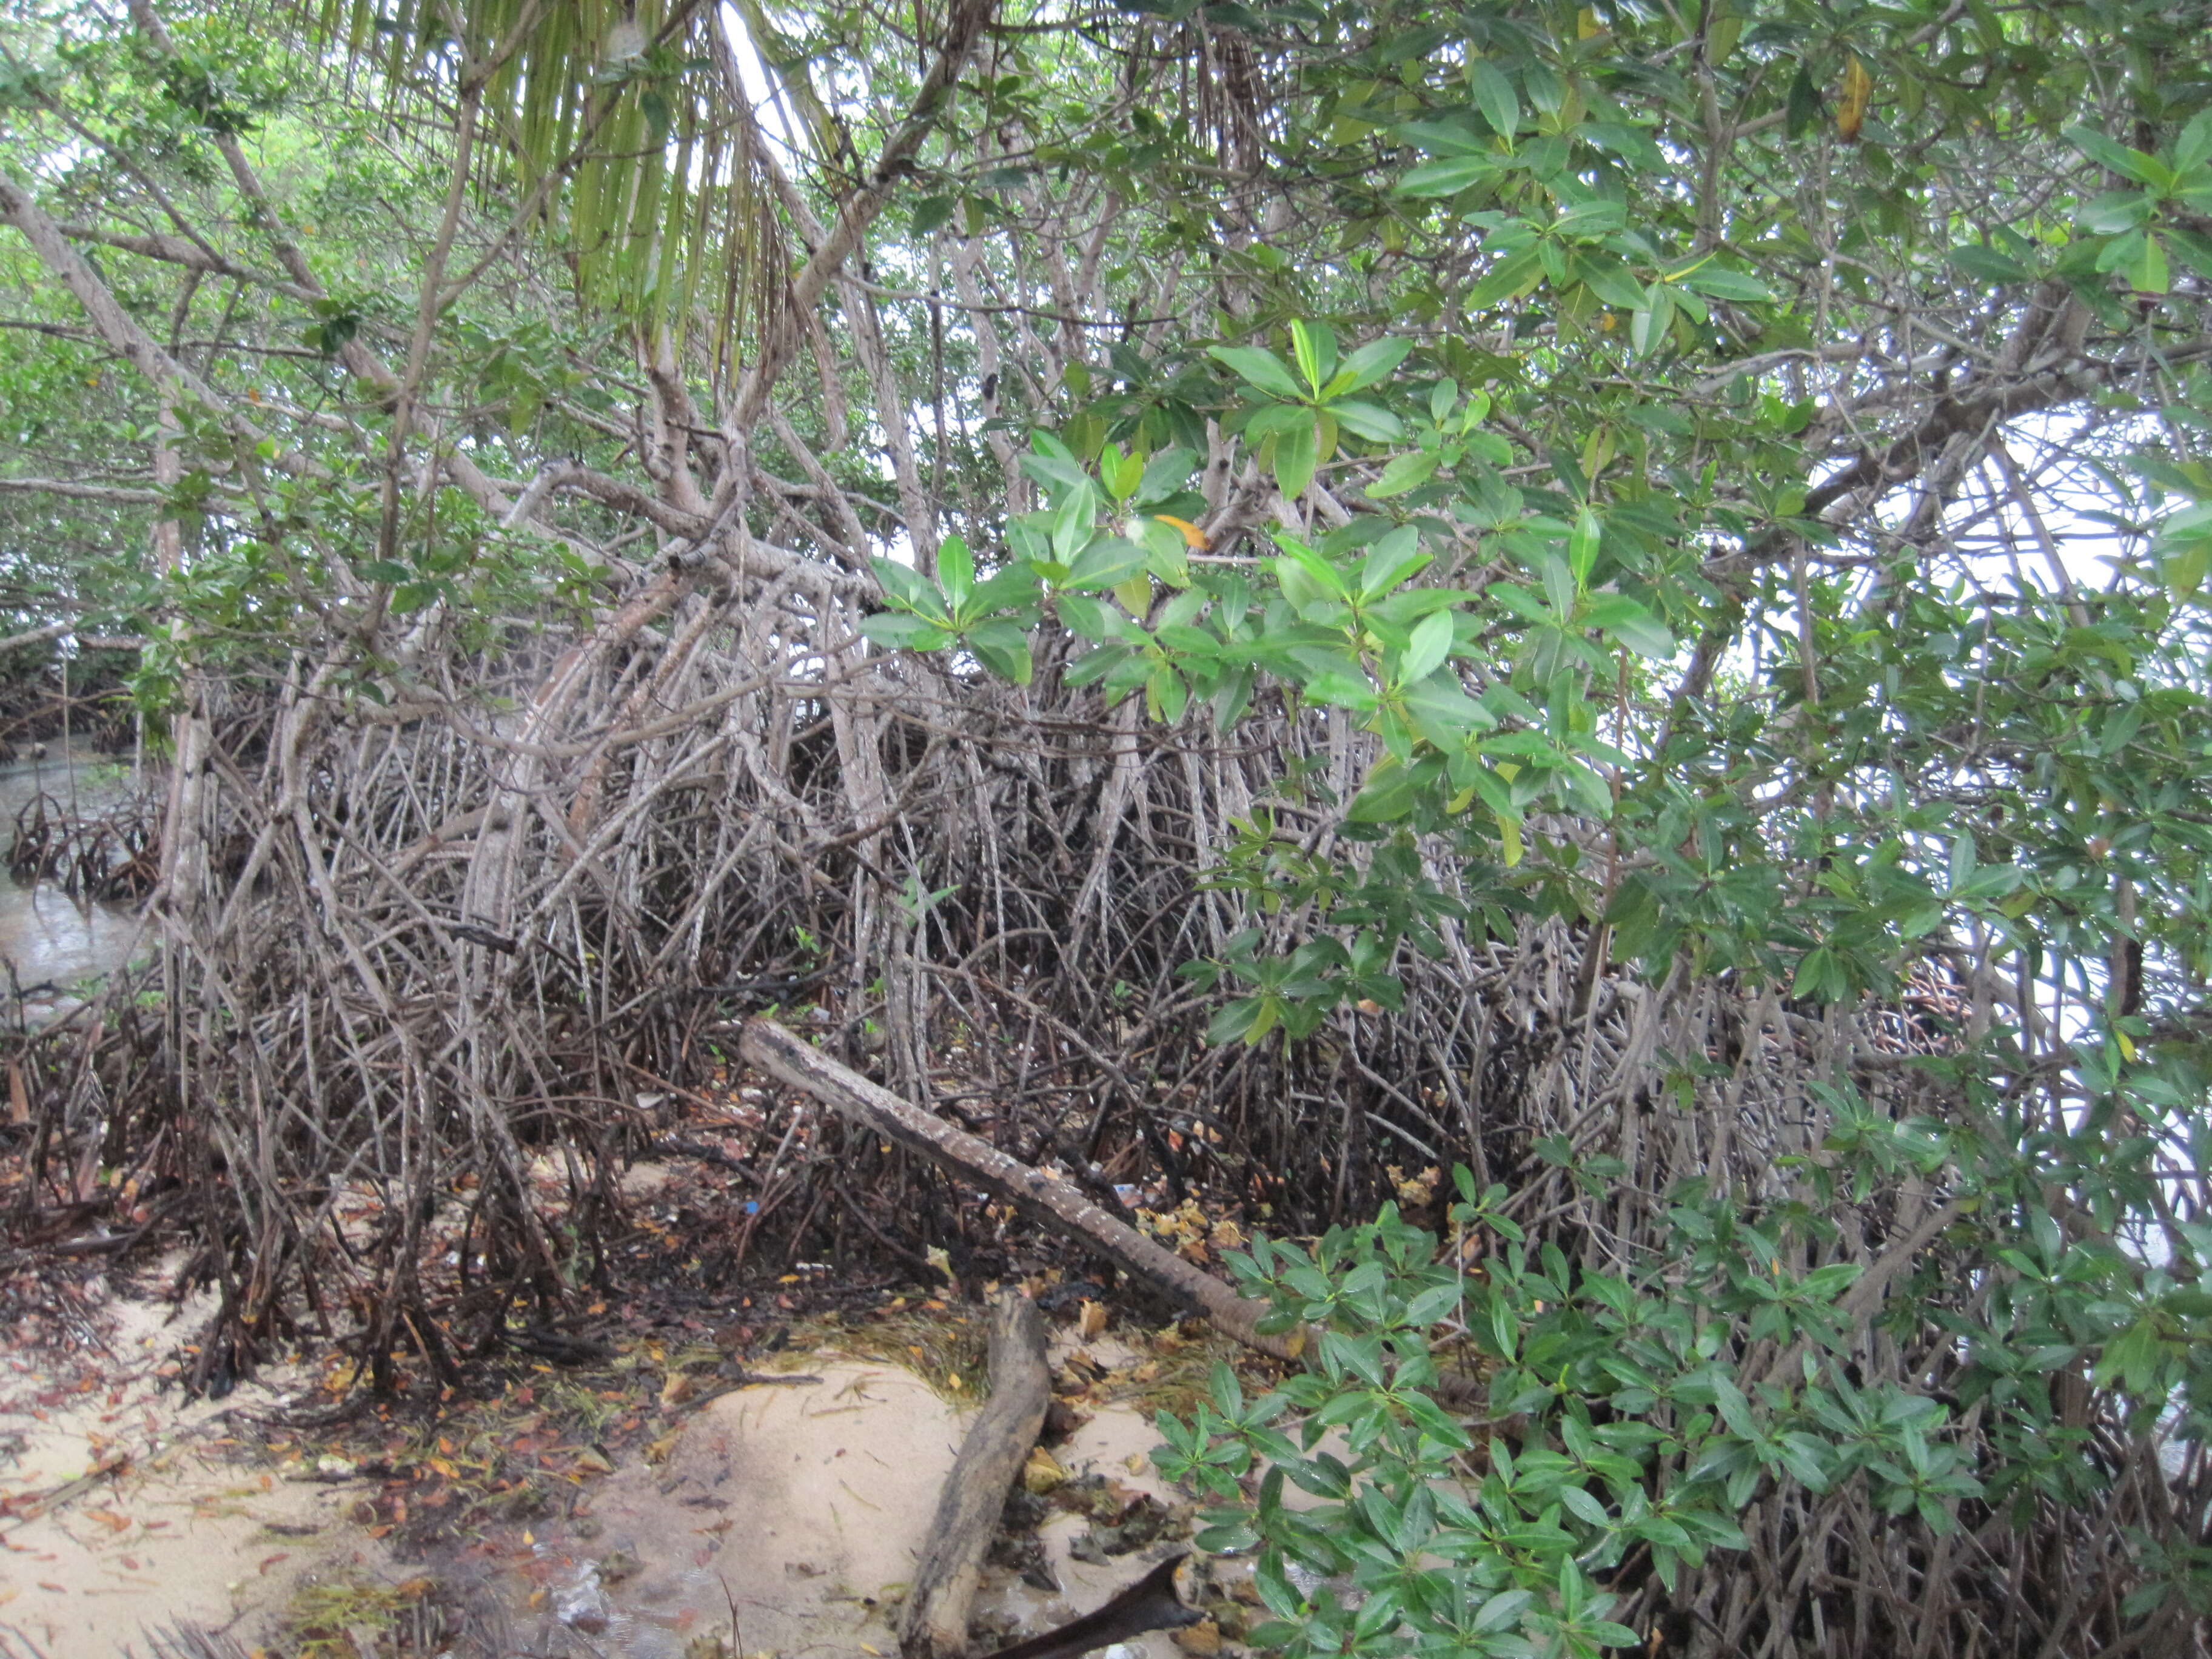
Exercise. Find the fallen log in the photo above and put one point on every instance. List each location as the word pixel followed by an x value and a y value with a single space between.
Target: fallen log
pixel 1044 1199
pixel 974 1496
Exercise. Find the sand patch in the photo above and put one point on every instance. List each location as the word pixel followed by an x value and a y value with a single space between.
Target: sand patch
pixel 123 1508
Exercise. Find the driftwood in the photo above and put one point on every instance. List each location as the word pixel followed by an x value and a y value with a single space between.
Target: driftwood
pixel 1151 1603
pixel 1042 1199
pixel 974 1492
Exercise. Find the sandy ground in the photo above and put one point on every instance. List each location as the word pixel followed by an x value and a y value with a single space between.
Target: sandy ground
pixel 123 1509
pixel 785 1519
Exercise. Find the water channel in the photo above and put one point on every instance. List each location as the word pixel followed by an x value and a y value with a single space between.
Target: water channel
pixel 50 942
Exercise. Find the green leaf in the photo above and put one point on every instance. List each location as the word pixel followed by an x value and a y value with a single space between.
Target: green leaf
pixel 2149 274
pixel 1804 104
pixel 1509 278
pixel 955 572
pixel 1444 714
pixel 1260 368
pixel 1313 346
pixel 1075 523
pixel 1724 285
pixel 2128 163
pixel 1622 619
pixel 1364 367
pixel 1986 264
pixel 931 213
pixel 1365 420
pixel 1648 329
pixel 1437 1301
pixel 1429 645
pixel 1609 279
pixel 1389 795
pixel 1447 176
pixel 1093 619
pixel 1583 545
pixel 1166 472
pixel 1495 97
pixel 1341 690
pixel 1404 472
pixel 1004 648
pixel 1167 554
pixel 1294 459
pixel 900 631
pixel 909 589
pixel 2194 146
pixel 1633 144
pixel 1395 559
pixel 1107 563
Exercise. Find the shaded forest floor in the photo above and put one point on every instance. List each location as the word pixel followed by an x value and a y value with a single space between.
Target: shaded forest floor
pixel 710 1459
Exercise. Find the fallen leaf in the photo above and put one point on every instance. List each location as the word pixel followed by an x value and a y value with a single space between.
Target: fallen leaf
pixel 1203 1639
pixel 1042 1472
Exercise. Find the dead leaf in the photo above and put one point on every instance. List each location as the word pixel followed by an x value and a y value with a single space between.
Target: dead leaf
pixel 1042 1472
pixel 1092 1320
pixel 1851 107
pixel 1203 1639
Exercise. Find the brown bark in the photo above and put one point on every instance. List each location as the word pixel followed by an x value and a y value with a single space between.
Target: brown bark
pixel 974 1492
pixel 1048 1202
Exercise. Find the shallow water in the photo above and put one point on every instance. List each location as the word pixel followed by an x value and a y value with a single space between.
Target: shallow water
pixel 48 942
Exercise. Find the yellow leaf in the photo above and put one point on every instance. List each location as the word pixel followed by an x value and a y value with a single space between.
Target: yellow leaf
pixel 1042 1472
pixel 1192 535
pixel 1850 109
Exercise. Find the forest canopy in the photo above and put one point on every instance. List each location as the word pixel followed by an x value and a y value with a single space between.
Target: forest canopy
pixel 1609 599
